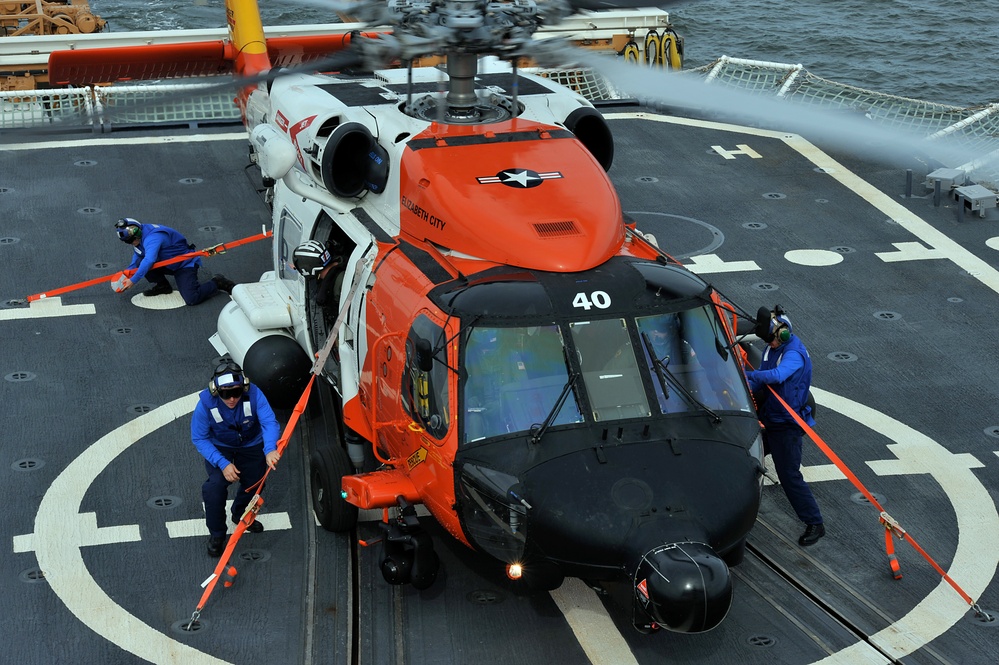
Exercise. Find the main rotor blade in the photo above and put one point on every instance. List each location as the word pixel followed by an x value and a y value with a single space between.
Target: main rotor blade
pixel 851 133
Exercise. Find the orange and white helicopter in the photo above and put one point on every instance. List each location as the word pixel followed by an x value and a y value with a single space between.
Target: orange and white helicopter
pixel 495 341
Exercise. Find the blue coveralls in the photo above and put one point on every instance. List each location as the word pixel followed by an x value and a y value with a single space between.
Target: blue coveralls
pixel 158 243
pixel 242 436
pixel 788 369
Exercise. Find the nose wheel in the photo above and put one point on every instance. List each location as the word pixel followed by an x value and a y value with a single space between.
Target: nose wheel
pixel 329 464
pixel 408 550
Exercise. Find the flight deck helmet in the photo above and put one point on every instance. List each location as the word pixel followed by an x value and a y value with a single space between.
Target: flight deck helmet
pixel 128 229
pixel 227 379
pixel 311 257
pixel 780 325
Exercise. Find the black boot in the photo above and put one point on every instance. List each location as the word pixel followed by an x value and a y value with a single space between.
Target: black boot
pixel 160 289
pixel 812 534
pixel 215 545
pixel 224 283
pixel 255 527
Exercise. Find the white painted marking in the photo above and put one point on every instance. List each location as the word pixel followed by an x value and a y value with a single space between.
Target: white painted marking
pixel 196 527
pixel 593 627
pixel 167 301
pixel 821 472
pixel 706 264
pixel 925 232
pixel 813 257
pixel 85 531
pixel 58 549
pixel 976 557
pixel 992 243
pixel 145 140
pixel 743 149
pixel 974 565
pixel 910 251
pixel 46 308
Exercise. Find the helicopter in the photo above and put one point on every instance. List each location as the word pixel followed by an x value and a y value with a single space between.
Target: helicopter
pixel 498 343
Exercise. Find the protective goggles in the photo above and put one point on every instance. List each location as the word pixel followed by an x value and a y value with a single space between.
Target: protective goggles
pixel 231 392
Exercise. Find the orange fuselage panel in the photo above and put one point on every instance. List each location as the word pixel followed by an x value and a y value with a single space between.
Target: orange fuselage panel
pixel 523 194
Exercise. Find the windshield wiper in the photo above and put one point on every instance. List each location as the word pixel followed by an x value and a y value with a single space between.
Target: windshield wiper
pixel 657 364
pixel 666 376
pixel 538 431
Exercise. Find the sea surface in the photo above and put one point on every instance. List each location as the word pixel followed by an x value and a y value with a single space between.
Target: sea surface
pixel 946 52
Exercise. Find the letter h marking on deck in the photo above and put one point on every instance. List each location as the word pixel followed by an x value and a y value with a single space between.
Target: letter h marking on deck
pixel 743 149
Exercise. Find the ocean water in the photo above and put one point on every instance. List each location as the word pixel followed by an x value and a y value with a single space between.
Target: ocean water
pixel 946 52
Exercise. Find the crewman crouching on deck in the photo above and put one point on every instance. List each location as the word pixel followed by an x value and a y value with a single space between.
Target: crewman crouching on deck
pixel 153 243
pixel 235 430
pixel 787 367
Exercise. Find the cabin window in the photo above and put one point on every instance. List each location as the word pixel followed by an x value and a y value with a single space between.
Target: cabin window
pixel 289 236
pixel 513 378
pixel 425 391
pixel 610 369
pixel 696 367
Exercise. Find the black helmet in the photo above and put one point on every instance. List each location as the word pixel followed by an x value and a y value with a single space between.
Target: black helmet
pixel 128 229
pixel 311 257
pixel 228 376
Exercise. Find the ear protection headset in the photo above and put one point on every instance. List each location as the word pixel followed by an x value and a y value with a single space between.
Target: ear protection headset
pixel 228 375
pixel 127 229
pixel 780 324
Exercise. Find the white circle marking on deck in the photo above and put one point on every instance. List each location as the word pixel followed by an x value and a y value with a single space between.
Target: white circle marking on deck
pixel 171 300
pixel 814 257
pixel 57 547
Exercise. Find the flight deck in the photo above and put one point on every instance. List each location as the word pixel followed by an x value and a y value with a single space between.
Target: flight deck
pixel 892 294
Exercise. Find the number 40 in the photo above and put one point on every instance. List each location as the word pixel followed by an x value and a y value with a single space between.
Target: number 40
pixel 598 299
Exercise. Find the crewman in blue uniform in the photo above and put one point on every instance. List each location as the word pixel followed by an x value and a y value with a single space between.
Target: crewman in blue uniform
pixel 787 368
pixel 236 431
pixel 154 242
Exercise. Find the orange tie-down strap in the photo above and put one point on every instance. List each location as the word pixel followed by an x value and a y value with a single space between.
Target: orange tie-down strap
pixel 891 526
pixel 222 570
pixel 221 248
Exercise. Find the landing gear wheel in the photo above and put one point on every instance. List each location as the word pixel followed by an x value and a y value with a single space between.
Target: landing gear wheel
pixel 329 465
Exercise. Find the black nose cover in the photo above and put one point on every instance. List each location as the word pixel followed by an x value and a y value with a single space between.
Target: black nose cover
pixel 684 587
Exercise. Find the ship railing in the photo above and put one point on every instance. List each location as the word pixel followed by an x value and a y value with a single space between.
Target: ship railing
pixel 99 109
pixel 164 104
pixel 63 108
pixel 103 108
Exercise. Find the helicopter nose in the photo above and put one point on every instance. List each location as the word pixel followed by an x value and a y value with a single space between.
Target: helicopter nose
pixel 684 587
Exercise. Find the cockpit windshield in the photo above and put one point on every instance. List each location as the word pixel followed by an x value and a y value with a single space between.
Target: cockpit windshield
pixel 668 363
pixel 610 369
pixel 514 377
pixel 694 362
